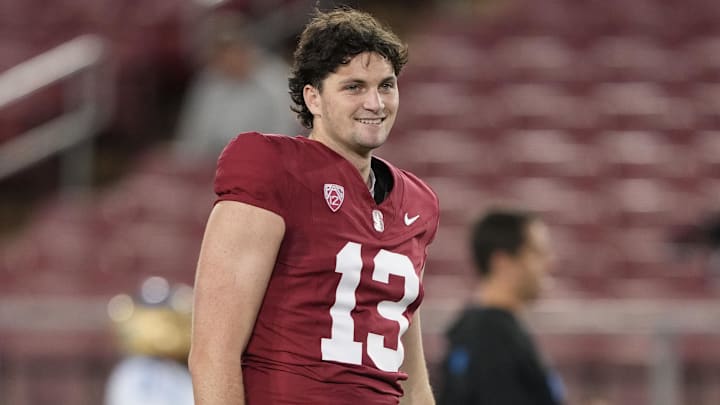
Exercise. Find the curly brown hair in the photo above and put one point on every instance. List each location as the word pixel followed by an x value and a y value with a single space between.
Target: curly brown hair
pixel 331 39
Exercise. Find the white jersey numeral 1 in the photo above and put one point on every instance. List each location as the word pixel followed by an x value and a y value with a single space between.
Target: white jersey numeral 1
pixel 341 346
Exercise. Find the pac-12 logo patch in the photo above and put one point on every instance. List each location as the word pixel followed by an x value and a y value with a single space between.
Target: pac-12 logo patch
pixel 334 196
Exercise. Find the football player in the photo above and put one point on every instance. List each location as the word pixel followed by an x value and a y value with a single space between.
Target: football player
pixel 309 276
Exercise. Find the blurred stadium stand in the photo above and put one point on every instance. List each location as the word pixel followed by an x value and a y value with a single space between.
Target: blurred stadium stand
pixel 601 115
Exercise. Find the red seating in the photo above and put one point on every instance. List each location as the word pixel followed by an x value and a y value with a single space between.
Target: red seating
pixel 535 58
pixel 706 103
pixel 151 223
pixel 595 130
pixel 543 106
pixel 145 50
pixel 548 153
pixel 642 153
pixel 707 153
pixel 701 55
pixel 617 59
pixel 639 105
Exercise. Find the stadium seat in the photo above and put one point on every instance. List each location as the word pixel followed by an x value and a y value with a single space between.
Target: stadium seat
pixel 535 59
pixel 628 59
pixel 645 153
pixel 548 153
pixel 705 100
pixel 543 106
pixel 640 105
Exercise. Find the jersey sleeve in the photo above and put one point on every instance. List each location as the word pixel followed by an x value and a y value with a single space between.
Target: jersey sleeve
pixel 251 170
pixel 436 223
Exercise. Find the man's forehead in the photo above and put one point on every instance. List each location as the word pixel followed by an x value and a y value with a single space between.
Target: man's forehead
pixel 366 61
pixel 366 58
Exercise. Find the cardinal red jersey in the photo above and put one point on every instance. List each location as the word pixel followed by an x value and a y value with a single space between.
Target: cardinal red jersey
pixel 347 277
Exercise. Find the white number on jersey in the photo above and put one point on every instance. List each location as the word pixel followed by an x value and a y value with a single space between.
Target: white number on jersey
pixel 341 346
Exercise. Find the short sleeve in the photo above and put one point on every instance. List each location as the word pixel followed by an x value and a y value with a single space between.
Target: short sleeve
pixel 436 211
pixel 251 170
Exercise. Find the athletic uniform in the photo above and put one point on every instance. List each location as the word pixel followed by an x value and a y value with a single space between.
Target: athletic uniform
pixel 347 277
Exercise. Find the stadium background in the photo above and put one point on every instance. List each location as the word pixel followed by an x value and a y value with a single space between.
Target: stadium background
pixel 601 114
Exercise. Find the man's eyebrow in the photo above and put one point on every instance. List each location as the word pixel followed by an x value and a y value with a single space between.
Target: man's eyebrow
pixel 387 79
pixel 351 81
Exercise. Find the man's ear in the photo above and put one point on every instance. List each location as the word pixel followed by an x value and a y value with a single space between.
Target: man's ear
pixel 311 95
pixel 500 260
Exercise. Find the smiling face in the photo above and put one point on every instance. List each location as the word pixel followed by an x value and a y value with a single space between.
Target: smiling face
pixel 355 107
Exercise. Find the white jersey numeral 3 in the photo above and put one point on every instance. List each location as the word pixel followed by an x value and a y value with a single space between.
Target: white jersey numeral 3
pixel 341 346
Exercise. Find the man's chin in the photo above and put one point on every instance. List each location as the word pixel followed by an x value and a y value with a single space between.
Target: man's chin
pixel 373 141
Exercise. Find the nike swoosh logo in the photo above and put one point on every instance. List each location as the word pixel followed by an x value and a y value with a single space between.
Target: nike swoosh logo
pixel 409 220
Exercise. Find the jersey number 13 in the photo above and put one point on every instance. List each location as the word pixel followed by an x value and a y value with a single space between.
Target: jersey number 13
pixel 341 346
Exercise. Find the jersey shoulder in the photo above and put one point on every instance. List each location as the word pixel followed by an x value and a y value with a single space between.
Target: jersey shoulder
pixel 413 187
pixel 418 197
pixel 253 169
pixel 417 188
pixel 257 147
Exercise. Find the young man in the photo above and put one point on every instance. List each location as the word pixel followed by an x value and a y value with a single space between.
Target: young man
pixel 492 359
pixel 311 265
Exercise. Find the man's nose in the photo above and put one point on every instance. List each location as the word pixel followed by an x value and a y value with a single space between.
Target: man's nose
pixel 373 101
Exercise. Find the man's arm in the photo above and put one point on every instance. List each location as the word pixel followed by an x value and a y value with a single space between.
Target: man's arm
pixel 417 386
pixel 237 258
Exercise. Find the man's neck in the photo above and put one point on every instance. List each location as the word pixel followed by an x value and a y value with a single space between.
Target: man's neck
pixel 489 295
pixel 359 160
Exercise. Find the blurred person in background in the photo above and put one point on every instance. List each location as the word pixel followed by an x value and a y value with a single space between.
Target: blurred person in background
pixel 153 331
pixel 309 276
pixel 492 358
pixel 240 87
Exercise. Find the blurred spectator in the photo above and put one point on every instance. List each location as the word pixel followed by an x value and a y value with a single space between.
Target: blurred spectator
pixel 153 331
pixel 241 87
pixel 492 359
